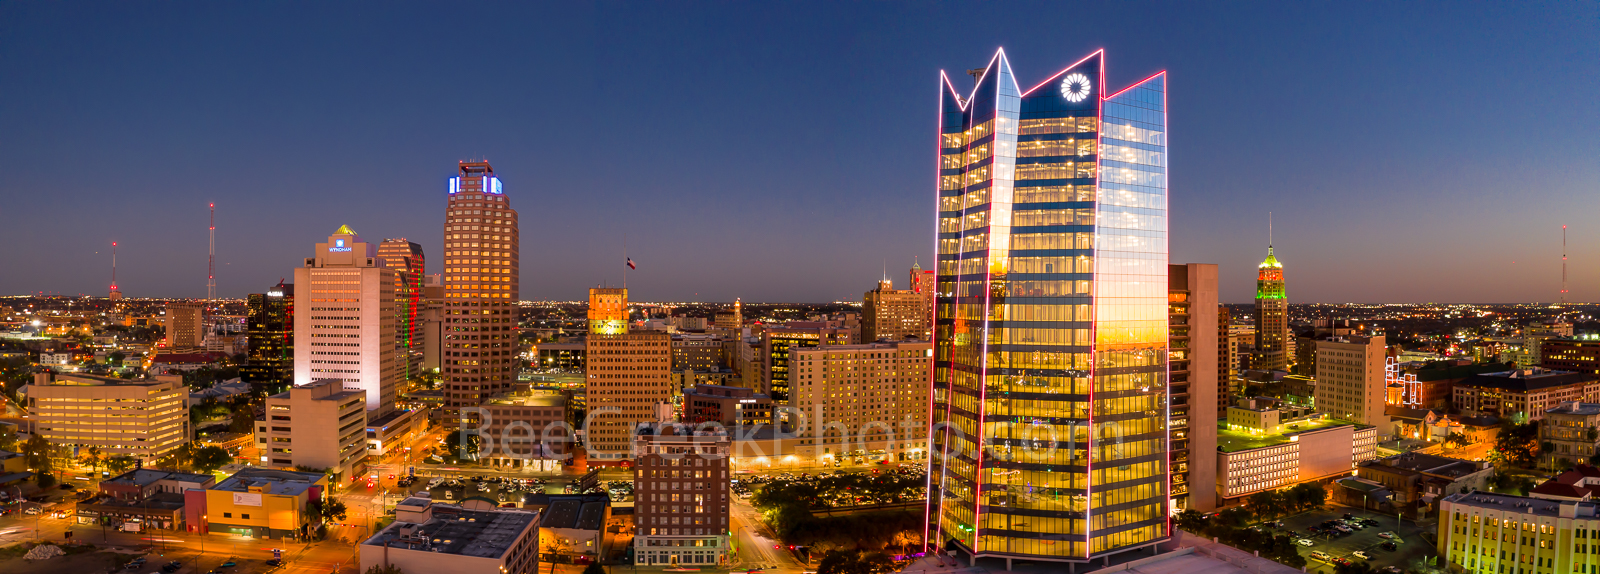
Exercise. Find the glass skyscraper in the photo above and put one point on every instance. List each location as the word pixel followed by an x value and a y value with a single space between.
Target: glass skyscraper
pixel 1049 404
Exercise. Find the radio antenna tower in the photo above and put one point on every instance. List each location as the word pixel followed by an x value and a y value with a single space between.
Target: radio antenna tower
pixel 113 266
pixel 211 261
pixel 1563 266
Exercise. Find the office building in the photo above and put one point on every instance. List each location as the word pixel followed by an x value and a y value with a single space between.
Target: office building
pixel 862 403
pixel 1350 378
pixel 432 335
pixel 732 319
pixel 320 424
pixel 925 283
pixel 1052 248
pixel 1568 430
pixel 1572 354
pixel 521 431
pixel 889 314
pixel 1309 449
pixel 1193 339
pixel 1486 532
pixel 470 538
pixel 681 497
pixel 270 335
pixel 481 279
pixel 778 343
pixel 141 418
pixel 344 327
pixel 405 260
pixel 1272 317
pixel 696 352
pixel 631 371
pixel 1524 394
pixel 186 327
pixel 258 503
pixel 1227 359
pixel 725 405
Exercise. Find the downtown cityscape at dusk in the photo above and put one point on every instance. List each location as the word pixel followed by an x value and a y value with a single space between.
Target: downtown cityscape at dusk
pixel 603 287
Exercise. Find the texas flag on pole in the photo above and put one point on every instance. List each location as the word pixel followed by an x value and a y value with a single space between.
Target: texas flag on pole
pixel 630 264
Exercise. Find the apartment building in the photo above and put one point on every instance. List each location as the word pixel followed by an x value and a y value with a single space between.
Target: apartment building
pixel 1486 532
pixel 863 402
pixel 1524 392
pixel 681 497
pixel 1350 378
pixel 627 375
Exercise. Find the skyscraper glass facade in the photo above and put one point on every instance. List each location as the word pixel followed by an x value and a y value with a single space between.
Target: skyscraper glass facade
pixel 270 336
pixel 1049 403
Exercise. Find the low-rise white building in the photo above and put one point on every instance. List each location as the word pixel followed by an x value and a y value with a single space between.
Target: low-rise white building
pixel 475 538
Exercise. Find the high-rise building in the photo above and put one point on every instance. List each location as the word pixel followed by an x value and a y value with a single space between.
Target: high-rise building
pixel 1272 317
pixel 1350 378
pixel 318 424
pixel 405 259
pixel 777 345
pixel 608 310
pixel 481 279
pixel 862 403
pixel 894 314
pixel 1576 354
pixel 1227 360
pixel 627 375
pixel 925 283
pixel 1194 342
pixel 681 485
pixel 432 335
pixel 270 334
pixel 344 320
pixel 730 320
pixel 186 324
pixel 1052 288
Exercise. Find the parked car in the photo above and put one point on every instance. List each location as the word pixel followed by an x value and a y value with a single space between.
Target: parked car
pixel 1390 546
pixel 1388 535
pixel 1303 541
pixel 1361 554
pixel 1320 555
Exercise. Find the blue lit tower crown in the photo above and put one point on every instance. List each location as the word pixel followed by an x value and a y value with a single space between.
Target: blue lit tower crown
pixel 1049 398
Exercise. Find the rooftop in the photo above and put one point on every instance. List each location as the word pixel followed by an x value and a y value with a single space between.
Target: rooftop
pixel 1576 408
pixel 544 400
pixel 1527 379
pixel 1235 441
pixel 1522 504
pixel 1429 464
pixel 453 530
pixel 147 476
pixel 280 482
pixel 582 512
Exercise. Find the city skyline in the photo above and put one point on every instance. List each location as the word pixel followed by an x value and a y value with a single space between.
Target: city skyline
pixel 1375 202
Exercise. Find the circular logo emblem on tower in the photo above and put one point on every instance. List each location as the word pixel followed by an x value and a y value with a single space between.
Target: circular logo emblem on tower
pixel 1075 87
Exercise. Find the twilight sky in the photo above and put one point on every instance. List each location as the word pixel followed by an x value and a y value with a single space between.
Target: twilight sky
pixel 1410 152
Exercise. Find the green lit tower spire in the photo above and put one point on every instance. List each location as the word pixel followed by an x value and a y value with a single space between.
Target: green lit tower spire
pixel 1272 312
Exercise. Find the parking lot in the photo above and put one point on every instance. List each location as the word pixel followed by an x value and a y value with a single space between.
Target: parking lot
pixel 1409 545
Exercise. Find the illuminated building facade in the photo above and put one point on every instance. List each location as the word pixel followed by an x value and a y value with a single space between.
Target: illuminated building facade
pixel 270 335
pixel 1272 316
pixel 405 259
pixel 481 279
pixel 626 375
pixel 1049 403
pixel 1194 341
pixel 894 314
pixel 344 329
pixel 608 310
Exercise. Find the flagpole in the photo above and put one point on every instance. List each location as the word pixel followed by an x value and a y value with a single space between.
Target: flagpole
pixel 624 261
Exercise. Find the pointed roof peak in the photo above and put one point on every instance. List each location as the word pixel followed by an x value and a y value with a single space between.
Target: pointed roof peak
pixel 344 230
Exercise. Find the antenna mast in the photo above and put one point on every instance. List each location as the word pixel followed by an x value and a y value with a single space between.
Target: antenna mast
pixel 113 266
pixel 1563 266
pixel 211 261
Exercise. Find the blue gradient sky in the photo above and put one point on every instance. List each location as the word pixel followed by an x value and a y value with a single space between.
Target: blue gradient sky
pixel 783 151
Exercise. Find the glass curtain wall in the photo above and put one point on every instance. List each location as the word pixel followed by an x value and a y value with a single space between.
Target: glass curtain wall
pixel 1050 331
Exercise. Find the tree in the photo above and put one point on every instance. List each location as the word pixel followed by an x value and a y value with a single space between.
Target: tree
pixel 1361 567
pixel 210 458
pixel 1191 520
pixel 1516 445
pixel 856 562
pixel 1457 440
pixel 1266 504
pixel 47 480
pixel 388 569
pixel 8 438
pixel 244 421
pixel 121 463
pixel 115 358
pixel 36 452
pixel 92 458
pixel 327 509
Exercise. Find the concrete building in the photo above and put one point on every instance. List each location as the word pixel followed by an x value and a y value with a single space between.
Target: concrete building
pixel 889 314
pixel 1418 481
pixel 141 418
pixel 1573 430
pixel 732 319
pixel 627 376
pixel 562 355
pixel 1272 317
pixel 1524 393
pixel 572 526
pixel 482 278
pixel 1485 532
pixel 186 327
pixel 1249 463
pixel 779 342
pixel 725 405
pixel 1350 378
pixel 432 322
pixel 1571 354
pixel 862 402
pixel 681 497
pixel 258 503
pixel 344 321
pixel 519 428
pixel 404 258
pixel 696 351
pixel 432 537
pixel 1194 340
pixel 1265 415
pixel 1227 360
pixel 317 425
